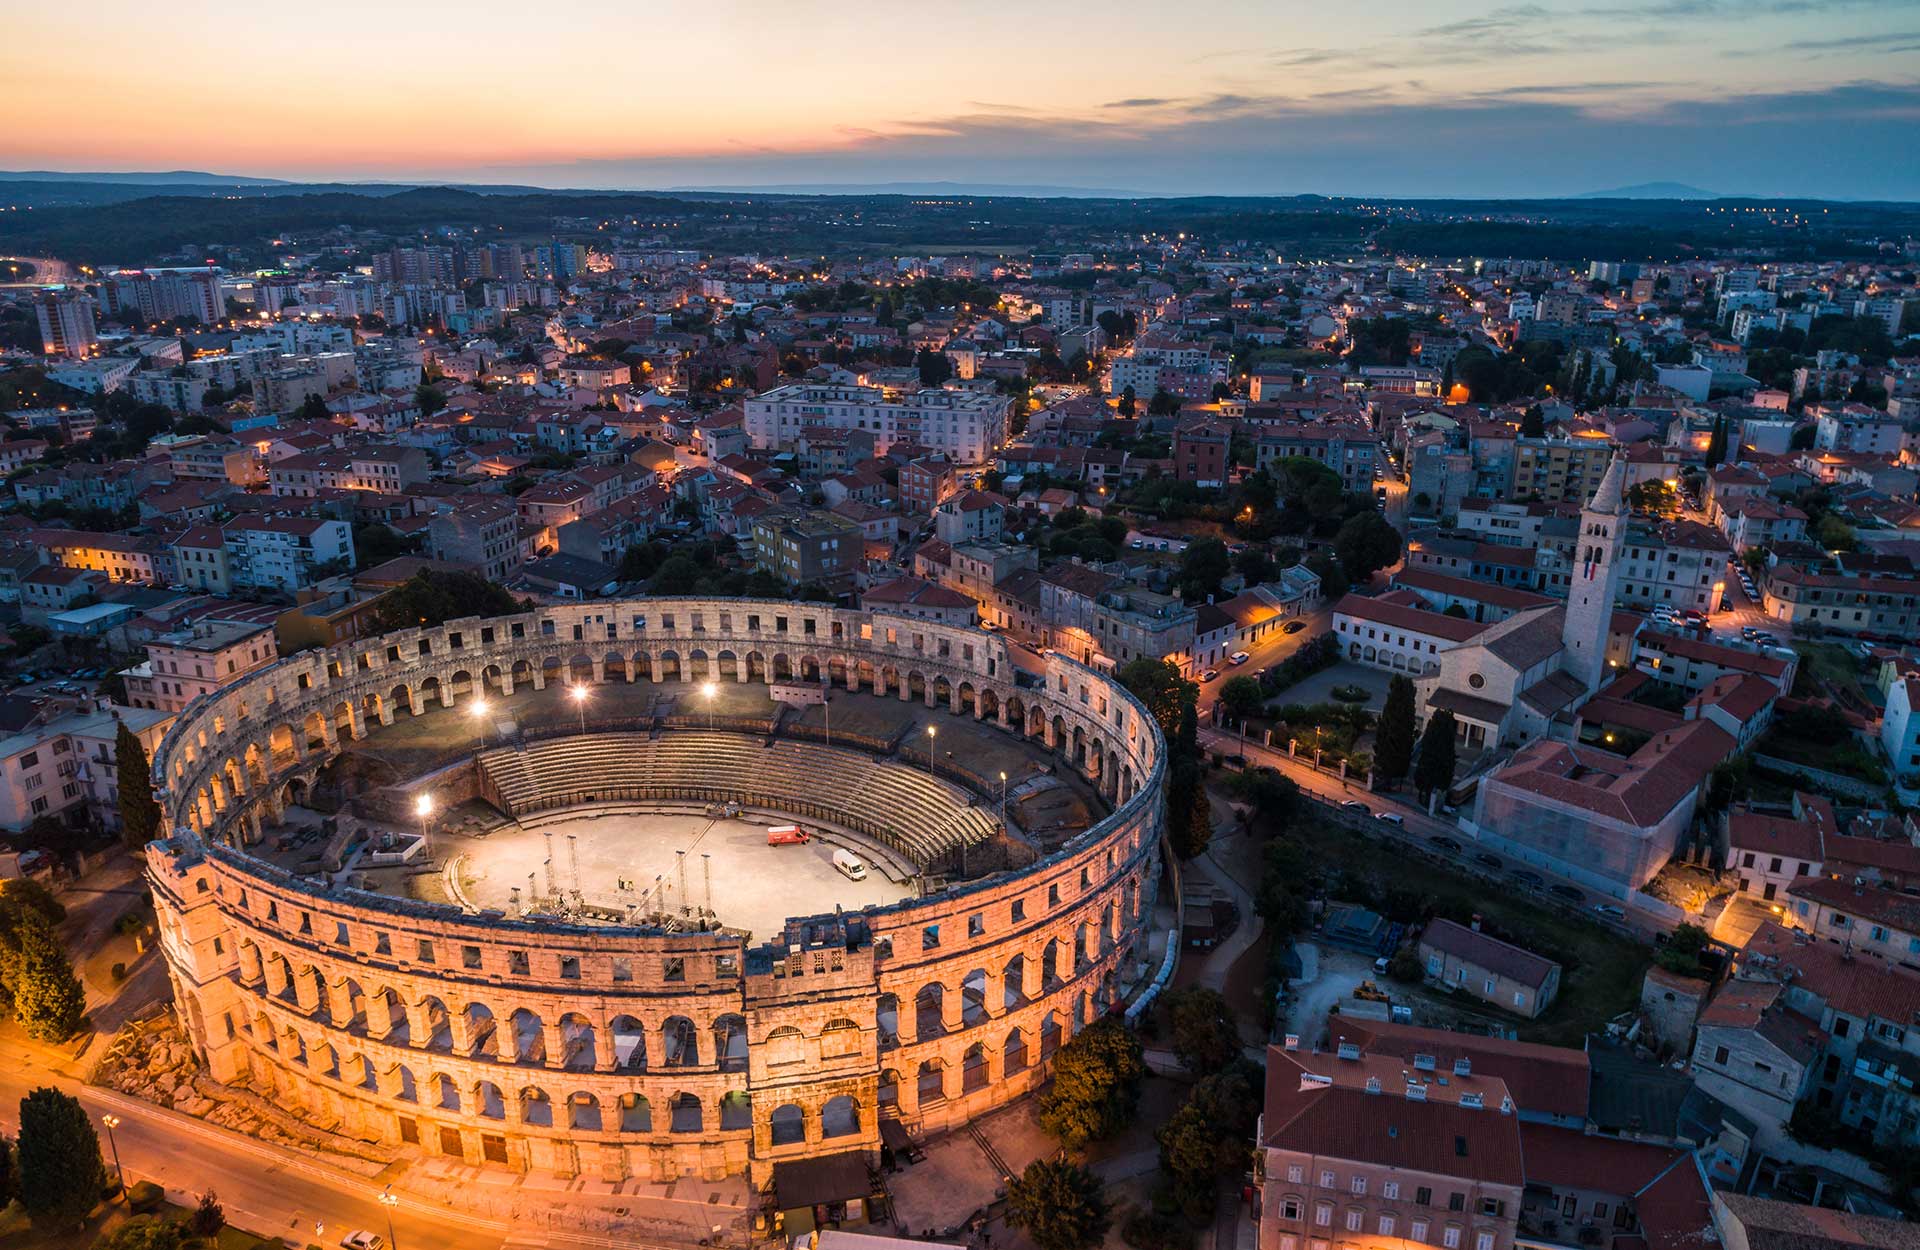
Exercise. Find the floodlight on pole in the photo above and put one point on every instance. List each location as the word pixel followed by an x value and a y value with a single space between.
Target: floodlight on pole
pixel 579 695
pixel 708 691
pixel 932 733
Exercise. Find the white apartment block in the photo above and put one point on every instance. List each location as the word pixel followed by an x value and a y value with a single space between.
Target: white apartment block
pixel 967 426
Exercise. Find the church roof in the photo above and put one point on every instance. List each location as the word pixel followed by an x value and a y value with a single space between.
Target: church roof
pixel 1611 498
pixel 1527 638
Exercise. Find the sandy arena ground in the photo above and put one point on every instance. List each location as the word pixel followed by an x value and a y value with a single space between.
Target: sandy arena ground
pixel 753 886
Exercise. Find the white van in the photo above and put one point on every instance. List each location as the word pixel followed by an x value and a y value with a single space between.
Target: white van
pixel 849 865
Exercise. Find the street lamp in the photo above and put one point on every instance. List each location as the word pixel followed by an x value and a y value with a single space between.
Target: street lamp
pixel 389 1200
pixel 113 1122
pixel 1003 800
pixel 932 732
pixel 423 807
pixel 708 690
pixel 579 694
pixel 479 710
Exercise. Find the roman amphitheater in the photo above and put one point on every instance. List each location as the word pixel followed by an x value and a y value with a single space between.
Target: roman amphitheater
pixel 502 889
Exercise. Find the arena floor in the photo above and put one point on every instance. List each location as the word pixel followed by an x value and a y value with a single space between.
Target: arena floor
pixel 624 856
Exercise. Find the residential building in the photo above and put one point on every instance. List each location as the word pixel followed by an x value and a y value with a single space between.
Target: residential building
pixel 1510 977
pixel 804 546
pixel 186 664
pixel 66 323
pixel 484 534
pixel 967 426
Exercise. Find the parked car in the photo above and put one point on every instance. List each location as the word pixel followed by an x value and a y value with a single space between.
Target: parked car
pixel 1293 627
pixel 361 1239
pixel 1567 892
pixel 1355 805
pixel 1610 911
pixel 1391 818
pixel 1492 861
pixel 1238 658
pixel 1532 880
pixel 1210 675
pixel 1445 843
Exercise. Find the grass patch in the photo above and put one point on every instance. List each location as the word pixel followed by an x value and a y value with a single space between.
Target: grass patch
pixel 1600 971
pixel 1832 664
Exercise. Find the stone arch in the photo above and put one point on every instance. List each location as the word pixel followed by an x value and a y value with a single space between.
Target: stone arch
pixel 613 666
pixel 401 697
pixel 1013 981
pixel 886 1091
pixel 362 1074
pixel 730 1043
pixel 404 1086
pixel 579 1049
pixel 437 1033
pixel 728 664
pixel 460 684
pixel 482 1031
pixel 685 1115
pixel 680 1043
pixel 670 666
pixel 929 1011
pixel 1049 1033
pixel 809 668
pixel 529 1037
pixel 491 678
pixel 1013 1053
pixel 488 1102
pixel 579 669
pixel 886 1019
pixel 736 1110
pixel 973 1068
pixel 629 1039
pixel 583 1112
pixel 431 691
pixel 756 666
pixel 443 1093
pixel 315 726
pixel 782 666
pixel 787 1126
pixel 636 1114
pixel 699 665
pixel 930 1084
pixel 973 998
pixel 536 1108
pixel 839 1117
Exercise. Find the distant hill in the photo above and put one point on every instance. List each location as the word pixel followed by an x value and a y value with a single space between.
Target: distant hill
pixel 994 190
pixel 1652 191
pixel 171 178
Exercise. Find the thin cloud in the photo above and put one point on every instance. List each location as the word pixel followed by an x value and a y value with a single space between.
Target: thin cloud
pixel 1138 102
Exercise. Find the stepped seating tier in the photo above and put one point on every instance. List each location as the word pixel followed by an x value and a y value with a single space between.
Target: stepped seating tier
pixel 922 816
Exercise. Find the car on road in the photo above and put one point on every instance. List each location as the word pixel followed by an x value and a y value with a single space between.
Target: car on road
pixel 1355 805
pixel 1445 843
pixel 1211 674
pixel 1492 861
pixel 1567 892
pixel 1391 818
pixel 1532 880
pixel 1610 911
pixel 361 1239
pixel 1238 658
pixel 1293 627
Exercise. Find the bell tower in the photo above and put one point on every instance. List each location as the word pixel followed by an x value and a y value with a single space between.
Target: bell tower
pixel 1596 578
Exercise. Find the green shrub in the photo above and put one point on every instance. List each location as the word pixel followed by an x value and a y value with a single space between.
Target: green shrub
pixel 145 1196
pixel 1155 1230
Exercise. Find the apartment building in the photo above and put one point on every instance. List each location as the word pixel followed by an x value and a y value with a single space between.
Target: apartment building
pixel 186 664
pixel 386 470
pixel 966 426
pixel 1356 1149
pixel 483 533
pixel 66 324
pixel 1848 603
pixel 213 459
pixel 285 552
pixel 60 761
pixel 1352 451
pixel 807 545
pixel 1558 469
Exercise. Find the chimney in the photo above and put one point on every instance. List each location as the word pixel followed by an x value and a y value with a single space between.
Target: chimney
pixel 1373 1085
pixel 1463 1066
pixel 1293 1041
pixel 1348 1050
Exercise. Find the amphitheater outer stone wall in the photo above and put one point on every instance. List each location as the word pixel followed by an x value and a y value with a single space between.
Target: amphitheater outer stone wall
pixel 614 1051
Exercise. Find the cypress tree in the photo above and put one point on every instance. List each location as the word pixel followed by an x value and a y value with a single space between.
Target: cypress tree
pixel 1435 769
pixel 61 1173
pixel 139 811
pixel 47 998
pixel 1393 744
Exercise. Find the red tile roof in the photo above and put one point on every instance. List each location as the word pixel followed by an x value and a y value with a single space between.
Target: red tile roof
pixel 1551 1080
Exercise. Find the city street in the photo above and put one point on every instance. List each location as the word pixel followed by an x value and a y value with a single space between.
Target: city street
pixel 1266 653
pixel 275 1192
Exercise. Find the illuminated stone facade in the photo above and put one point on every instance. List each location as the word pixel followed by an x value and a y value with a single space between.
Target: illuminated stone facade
pixel 614 1051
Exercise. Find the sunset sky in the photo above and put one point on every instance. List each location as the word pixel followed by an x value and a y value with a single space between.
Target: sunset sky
pixel 1805 97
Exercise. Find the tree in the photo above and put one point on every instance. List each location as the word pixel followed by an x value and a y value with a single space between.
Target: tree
pixel 1242 698
pixel 1202 566
pixel 1189 814
pixel 1365 543
pixel 934 367
pixel 46 997
pixel 1129 402
pixel 208 1217
pixel 9 1174
pixel 430 398
pixel 1435 768
pixel 61 1173
pixel 1717 443
pixel 1163 404
pixel 1059 1204
pixel 139 810
pixel 313 408
pixel 1095 1086
pixel 1393 741
pixel 1201 1029
pixel 1533 423
pixel 1159 685
pixel 143 1232
pixel 431 598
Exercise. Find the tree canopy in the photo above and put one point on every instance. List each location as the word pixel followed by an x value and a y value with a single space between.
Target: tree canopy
pixel 1437 751
pixel 61 1172
pixel 1095 1087
pixel 1393 741
pixel 1059 1204
pixel 433 598
pixel 139 810
pixel 1201 1029
pixel 36 980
